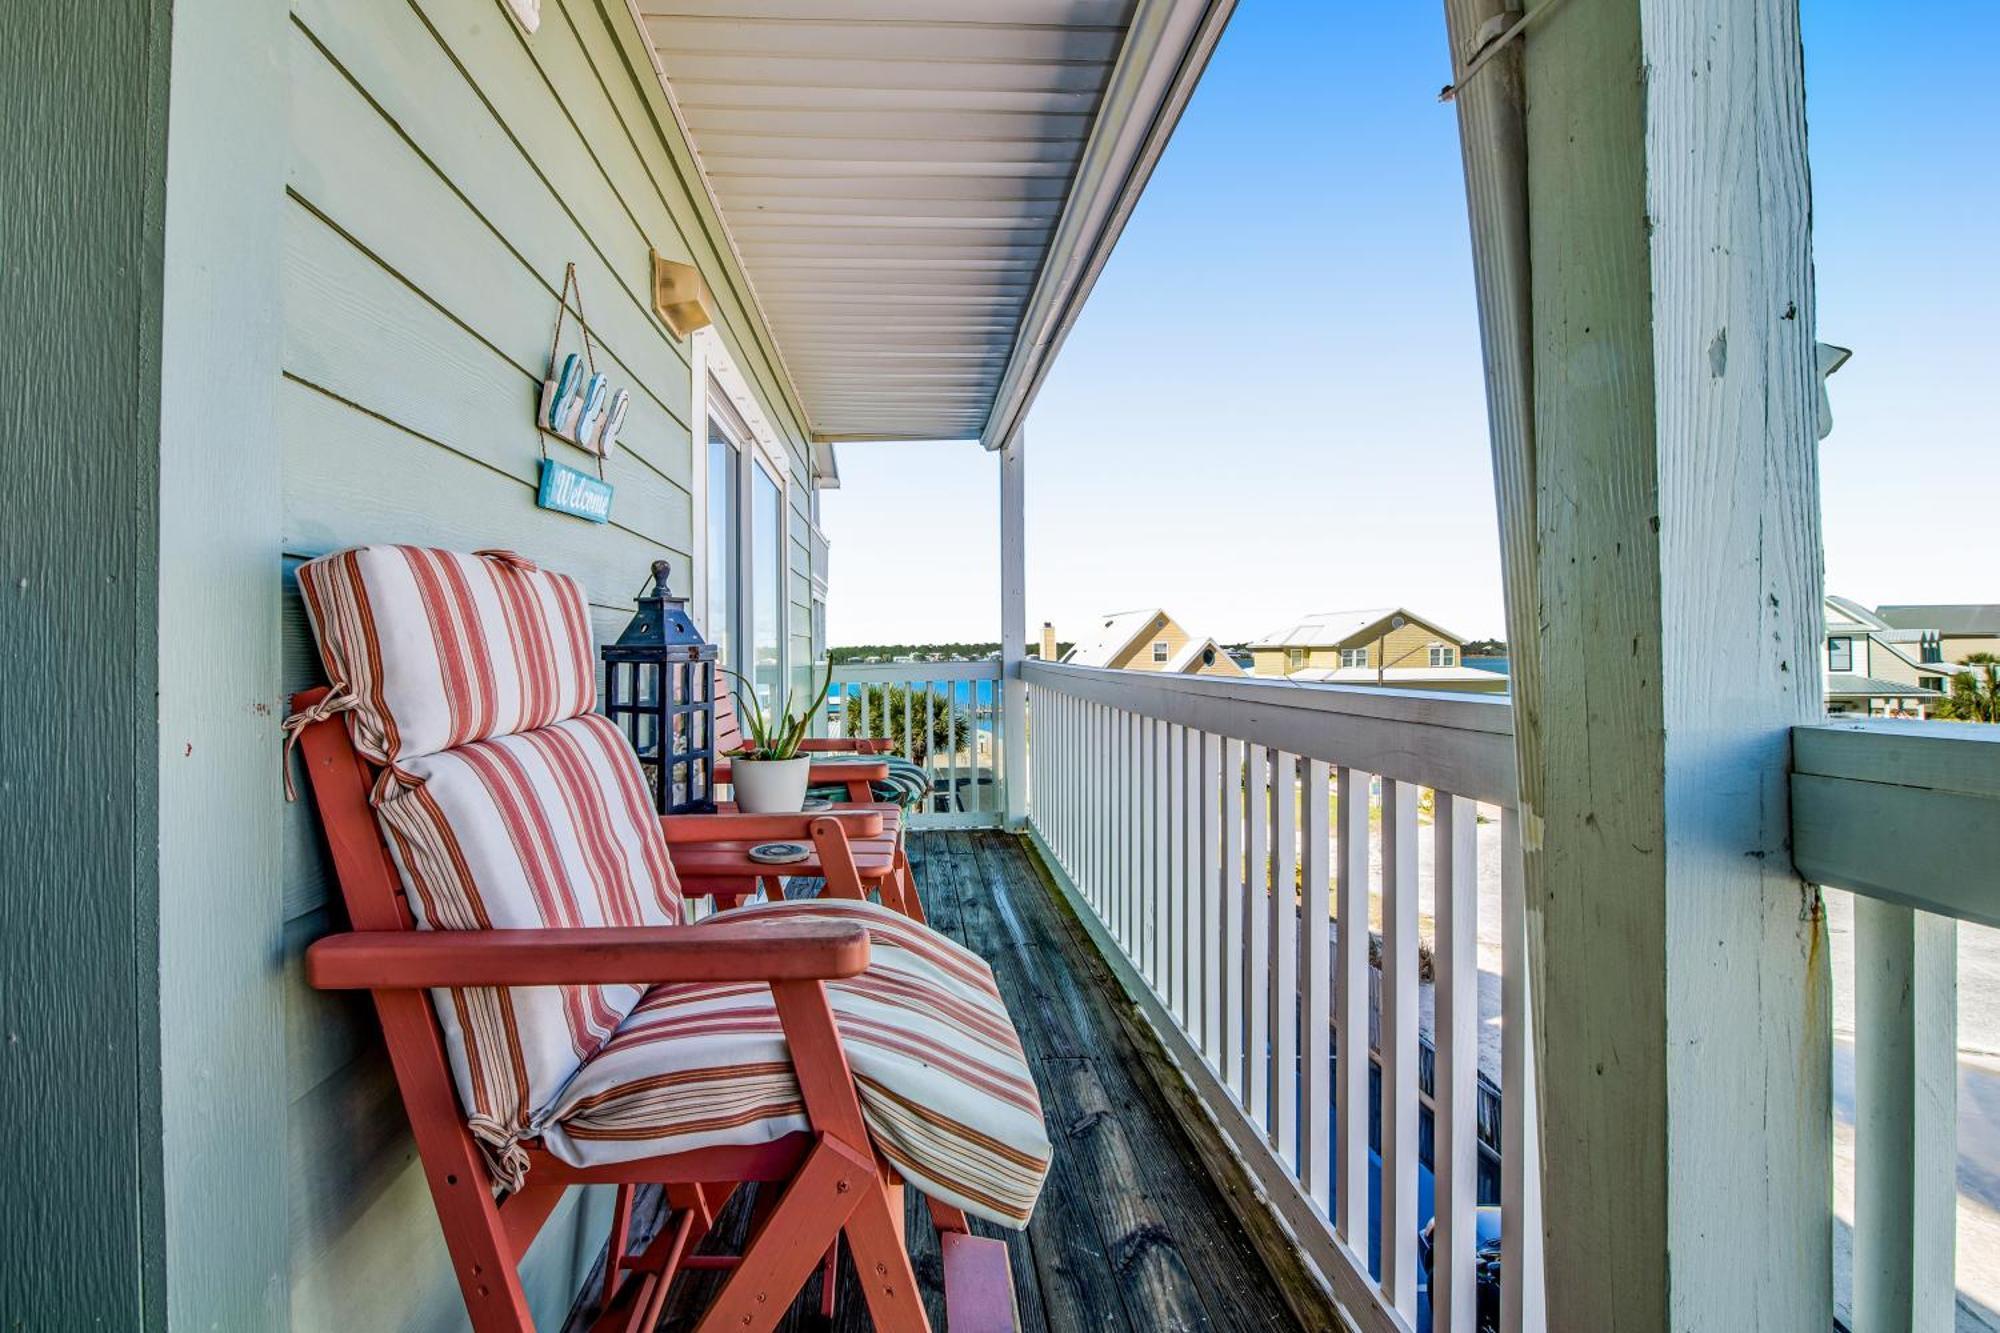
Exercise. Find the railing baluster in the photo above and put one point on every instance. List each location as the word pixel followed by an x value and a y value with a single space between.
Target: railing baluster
pixel 1315 988
pixel 1156 896
pixel 1905 1117
pixel 1350 1012
pixel 1257 910
pixel 1522 1308
pixel 1212 936
pixel 1233 941
pixel 1455 1035
pixel 1101 803
pixel 1285 956
pixel 1399 1045
pixel 1176 969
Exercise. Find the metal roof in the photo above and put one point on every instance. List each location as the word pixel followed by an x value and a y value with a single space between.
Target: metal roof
pixel 1964 620
pixel 1843 685
pixel 921 192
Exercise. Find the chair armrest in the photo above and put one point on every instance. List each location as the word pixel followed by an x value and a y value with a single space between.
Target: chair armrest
pixel 850 745
pixel 756 950
pixel 766 828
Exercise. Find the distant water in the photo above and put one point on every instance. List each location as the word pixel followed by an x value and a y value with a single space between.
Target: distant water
pixel 1498 664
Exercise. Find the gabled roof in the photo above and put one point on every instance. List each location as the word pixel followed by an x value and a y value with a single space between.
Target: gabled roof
pixel 1190 653
pixel 1968 619
pixel 1328 628
pixel 1842 613
pixel 1109 638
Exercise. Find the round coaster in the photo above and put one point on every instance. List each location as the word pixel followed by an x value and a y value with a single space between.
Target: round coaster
pixel 779 853
pixel 815 804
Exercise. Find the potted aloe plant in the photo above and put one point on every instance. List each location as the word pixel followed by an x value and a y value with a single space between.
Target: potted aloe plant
pixel 768 770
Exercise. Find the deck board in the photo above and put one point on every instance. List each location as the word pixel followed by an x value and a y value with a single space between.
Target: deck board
pixel 1131 1234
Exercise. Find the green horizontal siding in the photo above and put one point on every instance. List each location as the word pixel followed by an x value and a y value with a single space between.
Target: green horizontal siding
pixel 444 169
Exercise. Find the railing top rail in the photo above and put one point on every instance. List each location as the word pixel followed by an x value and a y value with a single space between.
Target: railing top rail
pixel 1906 811
pixel 1461 743
pixel 898 673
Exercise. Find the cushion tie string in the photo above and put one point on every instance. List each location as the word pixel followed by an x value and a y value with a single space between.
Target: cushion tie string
pixel 337 700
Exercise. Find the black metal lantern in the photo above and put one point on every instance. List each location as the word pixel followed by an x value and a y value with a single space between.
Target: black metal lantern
pixel 659 686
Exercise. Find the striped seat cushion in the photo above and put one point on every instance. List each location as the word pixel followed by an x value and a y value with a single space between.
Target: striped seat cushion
pixel 944 1086
pixel 440 648
pixel 551 828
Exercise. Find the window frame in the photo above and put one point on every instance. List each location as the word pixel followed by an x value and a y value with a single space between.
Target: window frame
pixel 1846 646
pixel 1161 656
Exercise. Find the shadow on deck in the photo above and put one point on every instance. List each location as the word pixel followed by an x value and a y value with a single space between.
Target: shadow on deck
pixel 1132 1232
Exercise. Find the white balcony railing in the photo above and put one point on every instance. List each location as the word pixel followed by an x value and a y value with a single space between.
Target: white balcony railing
pixel 1213 833
pixel 1906 816
pixel 948 717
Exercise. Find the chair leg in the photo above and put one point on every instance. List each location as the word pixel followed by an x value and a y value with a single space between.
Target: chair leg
pixel 888 1281
pixel 913 903
pixel 792 1242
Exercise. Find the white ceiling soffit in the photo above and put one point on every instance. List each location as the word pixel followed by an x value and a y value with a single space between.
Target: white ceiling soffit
pixel 921 192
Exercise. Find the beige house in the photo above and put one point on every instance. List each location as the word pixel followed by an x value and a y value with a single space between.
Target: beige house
pixel 1386 645
pixel 1876 669
pixel 1959 630
pixel 1147 639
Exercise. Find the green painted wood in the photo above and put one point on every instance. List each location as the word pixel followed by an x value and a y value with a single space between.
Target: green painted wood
pixel 82 188
pixel 364 178
pixel 358 333
pixel 461 90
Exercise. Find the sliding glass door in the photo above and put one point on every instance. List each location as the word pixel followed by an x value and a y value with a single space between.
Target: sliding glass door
pixel 746 555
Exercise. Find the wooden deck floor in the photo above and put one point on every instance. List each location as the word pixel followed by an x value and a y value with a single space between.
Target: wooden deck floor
pixel 1131 1233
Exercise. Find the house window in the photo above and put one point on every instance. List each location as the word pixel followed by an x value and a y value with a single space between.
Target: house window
pixel 1933 648
pixel 1443 656
pixel 1159 650
pixel 1931 682
pixel 746 552
pixel 1354 657
pixel 1840 654
pixel 1294 658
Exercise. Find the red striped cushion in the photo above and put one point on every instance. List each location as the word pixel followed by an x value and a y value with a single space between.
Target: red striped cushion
pixel 944 1086
pixel 440 648
pixel 551 828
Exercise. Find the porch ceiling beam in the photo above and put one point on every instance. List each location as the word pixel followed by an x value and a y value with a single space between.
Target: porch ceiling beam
pixel 1637 180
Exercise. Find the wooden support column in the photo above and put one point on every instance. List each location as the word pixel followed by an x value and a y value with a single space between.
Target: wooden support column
pixel 1013 631
pixel 1637 181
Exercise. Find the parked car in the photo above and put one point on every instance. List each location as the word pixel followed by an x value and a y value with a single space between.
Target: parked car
pixel 1486 1266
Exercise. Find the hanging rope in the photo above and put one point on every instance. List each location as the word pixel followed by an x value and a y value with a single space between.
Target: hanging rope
pixel 571 286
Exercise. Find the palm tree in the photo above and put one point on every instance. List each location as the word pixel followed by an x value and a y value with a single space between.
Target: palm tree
pixel 1975 694
pixel 936 728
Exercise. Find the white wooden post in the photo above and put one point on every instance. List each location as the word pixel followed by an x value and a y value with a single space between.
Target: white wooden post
pixel 1636 175
pixel 1013 731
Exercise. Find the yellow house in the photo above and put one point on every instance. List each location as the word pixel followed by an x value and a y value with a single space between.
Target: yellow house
pixel 1147 640
pixel 1384 645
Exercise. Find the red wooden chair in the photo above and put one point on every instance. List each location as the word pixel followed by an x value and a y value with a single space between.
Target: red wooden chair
pixel 857 777
pixel 834 1181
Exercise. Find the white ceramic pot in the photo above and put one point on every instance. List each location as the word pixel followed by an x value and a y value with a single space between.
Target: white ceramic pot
pixel 770 786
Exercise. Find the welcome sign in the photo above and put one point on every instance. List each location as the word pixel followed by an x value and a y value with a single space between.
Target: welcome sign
pixel 579 494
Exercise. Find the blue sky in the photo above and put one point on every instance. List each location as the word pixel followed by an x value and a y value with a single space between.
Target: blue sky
pixel 1272 403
